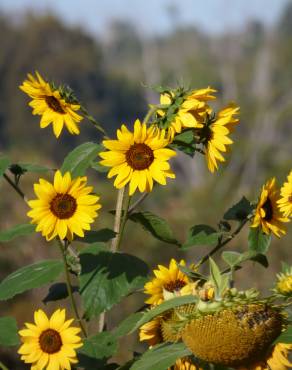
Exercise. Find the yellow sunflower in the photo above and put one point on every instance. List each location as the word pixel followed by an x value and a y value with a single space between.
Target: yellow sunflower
pixel 49 103
pixel 151 332
pixel 185 363
pixel 49 343
pixel 276 359
pixel 63 208
pixel 215 133
pixel 284 283
pixel 138 157
pixel 267 214
pixel 167 283
pixel 285 202
pixel 191 112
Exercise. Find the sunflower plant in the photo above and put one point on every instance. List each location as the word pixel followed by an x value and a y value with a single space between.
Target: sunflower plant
pixel 195 315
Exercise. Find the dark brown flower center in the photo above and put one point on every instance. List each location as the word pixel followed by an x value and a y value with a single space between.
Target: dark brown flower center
pixel 139 156
pixel 54 104
pixel 268 208
pixel 63 206
pixel 50 341
pixel 290 198
pixel 174 286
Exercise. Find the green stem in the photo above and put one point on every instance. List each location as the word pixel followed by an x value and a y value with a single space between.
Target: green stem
pixel 3 367
pixel 221 243
pixel 94 122
pixel 69 289
pixel 138 202
pixel 127 200
pixel 149 114
pixel 15 187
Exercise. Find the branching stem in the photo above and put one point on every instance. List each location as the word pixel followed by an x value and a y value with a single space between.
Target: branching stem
pixel 15 187
pixel 221 243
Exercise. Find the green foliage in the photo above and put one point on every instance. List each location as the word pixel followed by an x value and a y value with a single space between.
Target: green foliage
pixel 201 235
pixel 106 277
pixel 258 241
pixel 57 292
pixel 4 164
pixel 8 332
pixel 219 280
pixel 30 277
pixel 16 231
pixel 80 159
pixel 103 235
pixel 161 356
pixel 31 167
pixel 234 259
pixel 156 225
pixel 239 211
pixel 127 325
pixel 96 350
pixel 163 307
pixel 185 143
pixel 286 336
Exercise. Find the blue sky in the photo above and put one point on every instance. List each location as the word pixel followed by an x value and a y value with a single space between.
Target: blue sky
pixel 151 16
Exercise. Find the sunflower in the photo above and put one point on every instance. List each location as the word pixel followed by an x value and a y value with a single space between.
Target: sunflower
pixel 64 207
pixel 138 158
pixel 49 343
pixel 167 283
pixel 214 135
pixel 185 363
pixel 285 202
pixel 267 214
pixel 284 283
pixel 49 103
pixel 276 359
pixel 191 112
pixel 151 332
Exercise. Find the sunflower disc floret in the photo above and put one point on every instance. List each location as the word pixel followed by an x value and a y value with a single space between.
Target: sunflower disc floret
pixel 234 337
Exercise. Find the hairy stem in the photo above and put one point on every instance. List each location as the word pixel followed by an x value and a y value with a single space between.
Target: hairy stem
pixel 69 289
pixel 137 203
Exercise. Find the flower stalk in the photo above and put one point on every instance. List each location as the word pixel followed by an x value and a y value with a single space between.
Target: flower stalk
pixel 69 288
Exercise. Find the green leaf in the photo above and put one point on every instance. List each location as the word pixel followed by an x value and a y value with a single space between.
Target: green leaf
pixel 31 167
pixel 201 235
pixel 98 167
pixel 165 306
pixel 106 277
pixel 4 164
pixel 16 231
pixel 96 350
pixel 78 161
pixel 156 225
pixel 216 275
pixel 234 258
pixel 161 356
pixel 58 291
pixel 8 332
pixel 258 241
pixel 286 336
pixel 185 143
pixel 29 277
pixel 103 235
pixel 127 325
pixel 239 211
